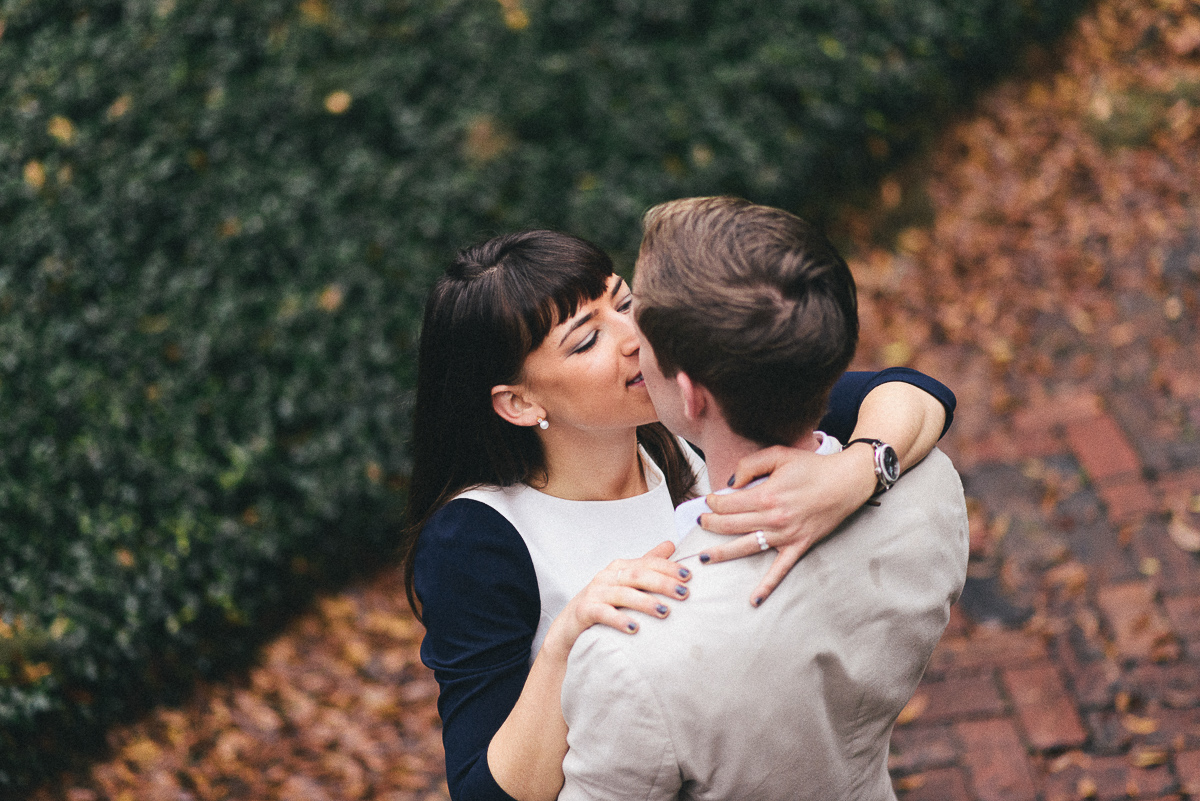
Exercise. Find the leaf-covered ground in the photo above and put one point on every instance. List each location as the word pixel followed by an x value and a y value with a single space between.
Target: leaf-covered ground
pixel 1044 260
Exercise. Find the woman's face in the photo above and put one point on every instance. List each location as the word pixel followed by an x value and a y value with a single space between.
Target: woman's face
pixel 585 373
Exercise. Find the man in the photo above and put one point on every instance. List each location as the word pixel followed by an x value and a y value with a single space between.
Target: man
pixel 747 317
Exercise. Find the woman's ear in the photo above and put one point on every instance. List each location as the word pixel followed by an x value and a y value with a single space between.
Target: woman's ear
pixel 510 403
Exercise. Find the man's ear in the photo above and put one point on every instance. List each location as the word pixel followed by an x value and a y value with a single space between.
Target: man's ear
pixel 695 397
pixel 511 404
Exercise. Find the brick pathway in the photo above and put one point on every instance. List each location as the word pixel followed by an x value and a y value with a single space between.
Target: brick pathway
pixel 1058 292
pixel 1071 668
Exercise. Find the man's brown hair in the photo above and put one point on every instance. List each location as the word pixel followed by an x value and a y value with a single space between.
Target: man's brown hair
pixel 754 304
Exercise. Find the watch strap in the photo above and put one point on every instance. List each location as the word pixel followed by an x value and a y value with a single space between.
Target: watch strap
pixel 882 485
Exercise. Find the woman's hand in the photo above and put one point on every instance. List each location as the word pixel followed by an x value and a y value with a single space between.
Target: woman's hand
pixel 625 584
pixel 807 496
pixel 804 498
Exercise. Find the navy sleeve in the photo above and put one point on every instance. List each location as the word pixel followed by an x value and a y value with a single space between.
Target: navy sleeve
pixel 480 604
pixel 848 393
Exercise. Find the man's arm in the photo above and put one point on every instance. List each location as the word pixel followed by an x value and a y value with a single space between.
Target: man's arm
pixel 620 746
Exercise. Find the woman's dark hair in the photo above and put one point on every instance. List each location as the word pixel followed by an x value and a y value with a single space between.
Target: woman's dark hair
pixel 495 304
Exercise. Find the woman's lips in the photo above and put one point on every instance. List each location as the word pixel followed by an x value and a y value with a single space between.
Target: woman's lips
pixel 636 381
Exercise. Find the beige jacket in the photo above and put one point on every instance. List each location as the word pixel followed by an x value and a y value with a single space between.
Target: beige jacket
pixel 793 700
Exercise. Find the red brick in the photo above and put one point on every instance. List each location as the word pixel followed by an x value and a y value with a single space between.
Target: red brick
pixel 947 784
pixel 1000 769
pixel 985 648
pixel 1176 685
pixel 915 749
pixel 1184 613
pixel 1109 733
pixel 1128 499
pixel 1177 570
pixel 957 698
pixel 1139 628
pixel 1106 779
pixel 1044 708
pixel 1180 375
pixel 1009 447
pixel 1178 730
pixel 1047 414
pixel 1102 448
pixel 1178 489
pixel 959 624
pixel 995 446
pixel 1095 683
pixel 1187 768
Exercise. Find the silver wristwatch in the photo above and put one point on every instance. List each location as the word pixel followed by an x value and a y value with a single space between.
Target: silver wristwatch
pixel 887 464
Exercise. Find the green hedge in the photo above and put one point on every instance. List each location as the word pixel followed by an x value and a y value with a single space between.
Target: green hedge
pixel 217 221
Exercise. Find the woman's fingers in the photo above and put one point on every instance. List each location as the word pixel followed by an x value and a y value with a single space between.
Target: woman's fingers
pixel 656 576
pixel 744 545
pixel 758 464
pixel 742 522
pixel 788 556
pixel 612 609
pixel 662 551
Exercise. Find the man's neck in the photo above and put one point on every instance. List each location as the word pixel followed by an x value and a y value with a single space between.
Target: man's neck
pixel 723 449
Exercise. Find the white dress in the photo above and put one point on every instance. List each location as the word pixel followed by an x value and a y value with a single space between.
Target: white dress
pixel 571 541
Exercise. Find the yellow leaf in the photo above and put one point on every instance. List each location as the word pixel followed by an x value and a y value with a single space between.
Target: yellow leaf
pixel 59 627
pixel 119 107
pixel 1139 725
pixel 331 298
pixel 61 129
pixel 1148 757
pixel 1173 308
pixel 141 751
pixel 315 12
pixel 1183 534
pixel 36 672
pixel 338 102
pixel 913 709
pixel 896 354
pixel 35 175
pixel 486 140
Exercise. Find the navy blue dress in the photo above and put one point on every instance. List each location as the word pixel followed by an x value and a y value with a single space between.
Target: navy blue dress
pixel 480 604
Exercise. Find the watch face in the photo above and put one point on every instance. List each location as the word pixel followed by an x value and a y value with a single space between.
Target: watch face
pixel 891 464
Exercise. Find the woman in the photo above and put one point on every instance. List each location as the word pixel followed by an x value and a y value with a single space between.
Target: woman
pixel 539 477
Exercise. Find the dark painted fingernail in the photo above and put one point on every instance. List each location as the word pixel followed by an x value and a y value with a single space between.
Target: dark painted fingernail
pixel 704 558
pixel 680 590
pixel 661 609
pixel 684 573
pixel 758 601
pixel 729 483
pixel 631 626
pixel 698 523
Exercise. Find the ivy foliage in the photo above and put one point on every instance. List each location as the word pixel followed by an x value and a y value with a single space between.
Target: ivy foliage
pixel 217 222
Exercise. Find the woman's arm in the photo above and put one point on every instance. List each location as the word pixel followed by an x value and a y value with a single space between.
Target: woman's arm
pixel 807 496
pixel 502 724
pixel 526 754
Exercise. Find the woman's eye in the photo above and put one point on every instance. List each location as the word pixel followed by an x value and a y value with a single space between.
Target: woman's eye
pixel 586 345
pixel 625 305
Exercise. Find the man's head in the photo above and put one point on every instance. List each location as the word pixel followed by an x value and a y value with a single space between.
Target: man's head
pixel 751 303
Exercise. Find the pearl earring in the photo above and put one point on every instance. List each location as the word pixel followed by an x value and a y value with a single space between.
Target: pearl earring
pixel 543 423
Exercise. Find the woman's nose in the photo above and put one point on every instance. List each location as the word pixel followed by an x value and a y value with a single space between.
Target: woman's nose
pixel 628 335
